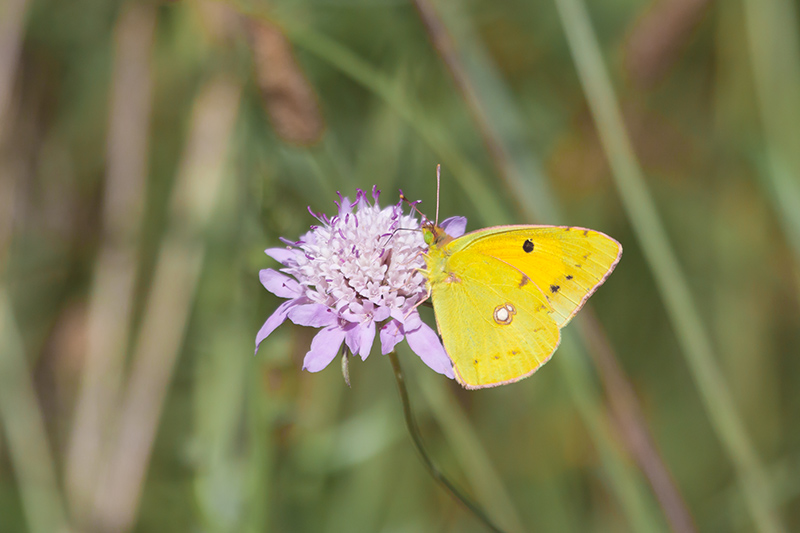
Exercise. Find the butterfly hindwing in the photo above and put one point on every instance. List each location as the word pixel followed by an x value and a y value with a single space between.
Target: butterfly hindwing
pixel 496 327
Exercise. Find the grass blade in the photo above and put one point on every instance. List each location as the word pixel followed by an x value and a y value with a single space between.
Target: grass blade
pixel 23 423
pixel 169 304
pixel 652 237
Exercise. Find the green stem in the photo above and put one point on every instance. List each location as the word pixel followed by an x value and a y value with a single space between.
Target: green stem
pixel 427 461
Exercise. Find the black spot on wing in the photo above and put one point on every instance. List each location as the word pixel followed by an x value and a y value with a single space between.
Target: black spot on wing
pixel 555 288
pixel 527 246
pixel 569 276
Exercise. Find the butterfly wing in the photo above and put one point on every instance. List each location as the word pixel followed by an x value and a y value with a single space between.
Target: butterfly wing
pixel 494 329
pixel 502 294
pixel 567 264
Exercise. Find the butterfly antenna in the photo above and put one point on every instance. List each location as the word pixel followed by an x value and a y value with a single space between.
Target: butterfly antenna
pixel 438 183
pixel 412 204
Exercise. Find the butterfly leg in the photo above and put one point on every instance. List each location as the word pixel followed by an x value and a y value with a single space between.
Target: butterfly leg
pixel 422 301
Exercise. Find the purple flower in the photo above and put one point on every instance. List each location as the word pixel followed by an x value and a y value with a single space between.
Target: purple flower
pixel 351 274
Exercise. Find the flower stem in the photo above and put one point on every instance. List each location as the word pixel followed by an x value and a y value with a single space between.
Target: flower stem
pixel 427 461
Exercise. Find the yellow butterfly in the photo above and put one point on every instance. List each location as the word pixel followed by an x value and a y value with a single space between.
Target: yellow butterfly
pixel 501 294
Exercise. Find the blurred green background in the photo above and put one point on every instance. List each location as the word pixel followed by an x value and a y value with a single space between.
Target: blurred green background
pixel 150 151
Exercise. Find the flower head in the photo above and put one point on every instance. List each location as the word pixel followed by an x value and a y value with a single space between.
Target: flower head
pixel 352 273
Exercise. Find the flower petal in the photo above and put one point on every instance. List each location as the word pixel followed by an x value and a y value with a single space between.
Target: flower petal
pixel 359 337
pixel 324 347
pixel 351 336
pixel 284 256
pixel 313 315
pixel 391 334
pixel 410 320
pixel 366 336
pixel 425 343
pixel 275 320
pixel 455 226
pixel 278 284
pixel 381 313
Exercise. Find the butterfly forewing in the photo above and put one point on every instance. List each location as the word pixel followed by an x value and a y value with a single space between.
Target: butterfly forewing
pixel 566 263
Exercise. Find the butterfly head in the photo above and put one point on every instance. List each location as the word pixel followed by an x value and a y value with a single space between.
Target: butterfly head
pixel 434 235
